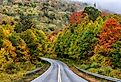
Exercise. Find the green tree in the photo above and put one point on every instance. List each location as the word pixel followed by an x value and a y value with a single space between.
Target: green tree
pixel 24 23
pixel 78 42
pixel 92 12
pixel 36 41
pixel 22 50
pixel 115 54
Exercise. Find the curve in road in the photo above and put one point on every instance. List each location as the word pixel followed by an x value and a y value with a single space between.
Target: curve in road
pixel 58 72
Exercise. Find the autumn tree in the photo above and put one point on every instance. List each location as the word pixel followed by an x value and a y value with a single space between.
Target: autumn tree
pixel 77 42
pixel 22 51
pixel 76 17
pixel 36 41
pixel 110 34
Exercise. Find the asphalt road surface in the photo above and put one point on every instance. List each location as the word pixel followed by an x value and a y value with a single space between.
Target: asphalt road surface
pixel 58 72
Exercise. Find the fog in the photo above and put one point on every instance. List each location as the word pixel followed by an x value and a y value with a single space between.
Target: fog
pixel 111 5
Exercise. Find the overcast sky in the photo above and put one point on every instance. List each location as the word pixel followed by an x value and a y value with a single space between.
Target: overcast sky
pixel 112 5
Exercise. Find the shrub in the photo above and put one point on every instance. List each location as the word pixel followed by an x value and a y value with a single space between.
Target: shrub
pixel 11 68
pixel 115 73
pixel 94 65
pixel 104 70
pixel 93 70
pixel 83 66
pixel 97 58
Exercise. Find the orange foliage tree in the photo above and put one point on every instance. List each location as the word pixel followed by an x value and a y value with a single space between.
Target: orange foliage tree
pixel 110 34
pixel 75 17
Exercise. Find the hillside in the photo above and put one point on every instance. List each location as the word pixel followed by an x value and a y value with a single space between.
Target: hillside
pixel 48 15
pixel 89 38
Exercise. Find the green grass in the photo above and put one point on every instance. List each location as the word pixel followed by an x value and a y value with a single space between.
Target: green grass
pixel 28 78
pixel 18 74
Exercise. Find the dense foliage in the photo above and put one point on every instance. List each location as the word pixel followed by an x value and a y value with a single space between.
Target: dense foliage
pixel 31 31
pixel 20 47
pixel 93 39
pixel 47 15
pixel 79 41
pixel 24 27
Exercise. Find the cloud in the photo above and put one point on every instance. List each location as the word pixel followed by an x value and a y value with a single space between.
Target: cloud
pixel 112 5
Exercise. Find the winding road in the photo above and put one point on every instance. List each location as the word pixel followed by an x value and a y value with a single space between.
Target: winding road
pixel 58 72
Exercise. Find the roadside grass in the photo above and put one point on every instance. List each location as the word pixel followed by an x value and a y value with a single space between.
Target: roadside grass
pixel 20 74
pixel 28 78
pixel 5 76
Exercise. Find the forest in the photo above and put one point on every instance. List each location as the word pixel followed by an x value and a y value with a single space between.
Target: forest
pixel 29 31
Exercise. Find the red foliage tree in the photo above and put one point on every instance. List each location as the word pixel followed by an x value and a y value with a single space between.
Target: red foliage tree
pixel 111 33
pixel 75 17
